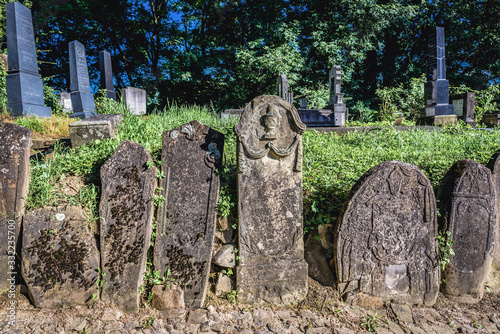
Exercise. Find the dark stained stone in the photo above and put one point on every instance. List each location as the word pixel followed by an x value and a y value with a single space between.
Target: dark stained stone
pixel 386 238
pixel 318 268
pixel 15 143
pixel 467 202
pixel 272 267
pixel 493 280
pixel 126 212
pixel 60 259
pixel 191 154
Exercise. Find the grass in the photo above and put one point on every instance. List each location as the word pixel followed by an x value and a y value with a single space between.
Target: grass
pixel 332 163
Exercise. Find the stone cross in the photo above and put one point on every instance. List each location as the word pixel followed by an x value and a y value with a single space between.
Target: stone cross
pixel 81 97
pixel 282 88
pixel 272 268
pixel 106 74
pixel 24 85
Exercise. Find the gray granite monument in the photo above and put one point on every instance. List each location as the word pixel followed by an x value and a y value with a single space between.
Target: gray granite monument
pixel 82 99
pixel 336 103
pixel 24 85
pixel 282 89
pixel 106 74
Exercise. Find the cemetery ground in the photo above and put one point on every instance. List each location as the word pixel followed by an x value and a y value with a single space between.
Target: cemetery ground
pixel 332 165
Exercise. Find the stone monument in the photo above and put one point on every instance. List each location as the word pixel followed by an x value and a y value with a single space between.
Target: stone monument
pixel 15 143
pixel 436 89
pixel 135 100
pixel 126 212
pixel 191 155
pixel 282 89
pixel 106 74
pixel 385 242
pixel 467 201
pixel 272 268
pixel 65 101
pixel 464 106
pixel 493 280
pixel 97 127
pixel 24 85
pixel 82 99
pixel 336 103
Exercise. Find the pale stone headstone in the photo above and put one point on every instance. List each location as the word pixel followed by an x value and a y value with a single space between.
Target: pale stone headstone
pixel 467 201
pixel 493 280
pixel 282 88
pixel 135 100
pixel 24 85
pixel 126 212
pixel 94 128
pixel 386 239
pixel 191 155
pixel 271 267
pixel 60 259
pixel 82 99
pixel 437 87
pixel 106 74
pixel 65 101
pixel 15 143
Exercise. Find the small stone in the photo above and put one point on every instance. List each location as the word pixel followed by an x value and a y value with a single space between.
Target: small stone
pixel 275 326
pixel 173 314
pixel 111 314
pixel 225 237
pixel 224 284
pixel 214 316
pixel 318 269
pixel 168 297
pixel 205 327
pixel 319 330
pixel 261 318
pixel 115 325
pixel 226 257
pixel 325 232
pixel 403 313
pixel 197 317
pixel 217 327
pixel 78 324
pixel 131 325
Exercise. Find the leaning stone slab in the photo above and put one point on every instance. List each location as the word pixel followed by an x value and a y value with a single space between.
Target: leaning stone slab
pixel 15 143
pixel 94 128
pixel 386 239
pixel 126 212
pixel 493 280
pixel 467 200
pixel 191 154
pixel 60 260
pixel 272 267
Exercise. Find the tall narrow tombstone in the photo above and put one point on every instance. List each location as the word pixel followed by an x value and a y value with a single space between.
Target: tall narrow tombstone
pixel 437 87
pixel 82 99
pixel 126 212
pixel 493 280
pixel 467 201
pixel 272 268
pixel 135 100
pixel 106 74
pixel 282 88
pixel 24 85
pixel 191 155
pixel 386 238
pixel 60 259
pixel 336 103
pixel 15 143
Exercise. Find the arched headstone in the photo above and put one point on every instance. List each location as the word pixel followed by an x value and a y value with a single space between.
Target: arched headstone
pixel 386 238
pixel 467 201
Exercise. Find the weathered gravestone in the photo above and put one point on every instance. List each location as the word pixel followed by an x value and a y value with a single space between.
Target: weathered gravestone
pixel 336 103
pixel 135 100
pixel 15 143
pixel 386 239
pixel 94 128
pixel 467 201
pixel 272 267
pixel 82 99
pixel 106 74
pixel 60 260
pixel 493 280
pixel 65 101
pixel 191 155
pixel 24 85
pixel 282 88
pixel 126 212
pixel 464 106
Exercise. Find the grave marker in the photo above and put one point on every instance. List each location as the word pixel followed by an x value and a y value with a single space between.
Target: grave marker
pixel 386 239
pixel 336 103
pixel 464 106
pixel 126 211
pixel 493 280
pixel 97 127
pixel 82 99
pixel 24 85
pixel 271 267
pixel 106 74
pixel 467 200
pixel 282 89
pixel 191 155
pixel 65 101
pixel 135 100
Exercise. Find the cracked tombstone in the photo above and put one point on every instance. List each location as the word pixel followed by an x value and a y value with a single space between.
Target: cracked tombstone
pixel 272 268
pixel 126 212
pixel 467 199
pixel 386 239
pixel 493 280
pixel 191 156
pixel 15 143
pixel 60 260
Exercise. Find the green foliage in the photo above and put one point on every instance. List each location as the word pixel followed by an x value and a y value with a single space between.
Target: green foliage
pixel 371 322
pixel 51 100
pixel 362 113
pixel 445 245
pixel 149 321
pixel 103 105
pixel 231 296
